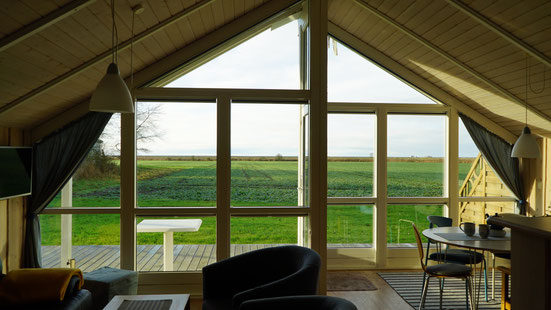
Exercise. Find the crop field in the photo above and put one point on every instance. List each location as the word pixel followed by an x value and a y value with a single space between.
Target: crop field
pixel 174 183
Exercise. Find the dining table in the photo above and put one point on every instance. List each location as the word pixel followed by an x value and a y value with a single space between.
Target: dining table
pixel 454 236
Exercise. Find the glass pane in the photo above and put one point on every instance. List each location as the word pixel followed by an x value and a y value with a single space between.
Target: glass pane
pixel 467 154
pixel 353 78
pixel 416 148
pixel 399 218
pixel 476 176
pixel 306 162
pixel 93 240
pixel 177 156
pixel 350 226
pixel 251 233
pixel 96 183
pixel 270 60
pixel 264 148
pixel 193 242
pixel 350 148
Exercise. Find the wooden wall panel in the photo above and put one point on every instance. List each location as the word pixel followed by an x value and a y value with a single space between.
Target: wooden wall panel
pixel 12 213
pixel 547 176
pixel 489 186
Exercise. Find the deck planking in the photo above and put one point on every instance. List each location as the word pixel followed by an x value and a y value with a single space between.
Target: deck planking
pixel 187 257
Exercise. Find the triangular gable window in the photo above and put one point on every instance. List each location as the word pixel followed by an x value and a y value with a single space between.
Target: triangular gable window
pixel 354 78
pixel 268 60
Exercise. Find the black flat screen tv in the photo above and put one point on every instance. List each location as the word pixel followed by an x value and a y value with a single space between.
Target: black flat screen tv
pixel 15 171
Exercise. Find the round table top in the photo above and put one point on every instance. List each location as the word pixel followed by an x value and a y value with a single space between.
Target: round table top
pixel 450 235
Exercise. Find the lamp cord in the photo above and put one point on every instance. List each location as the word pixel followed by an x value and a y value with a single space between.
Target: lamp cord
pixel 530 82
pixel 526 92
pixel 132 55
pixel 114 35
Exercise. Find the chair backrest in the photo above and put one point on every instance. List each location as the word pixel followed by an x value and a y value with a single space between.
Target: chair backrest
pixel 419 245
pixel 439 221
pixel 299 303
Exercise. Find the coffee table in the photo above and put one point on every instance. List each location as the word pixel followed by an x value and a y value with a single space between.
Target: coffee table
pixel 179 301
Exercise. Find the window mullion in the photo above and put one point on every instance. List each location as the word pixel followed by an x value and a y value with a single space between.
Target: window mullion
pixel 223 177
pixel 128 191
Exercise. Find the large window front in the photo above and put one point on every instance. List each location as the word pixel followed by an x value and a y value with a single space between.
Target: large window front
pixel 225 165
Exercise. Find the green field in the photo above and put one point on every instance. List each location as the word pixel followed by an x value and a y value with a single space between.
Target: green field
pixel 172 183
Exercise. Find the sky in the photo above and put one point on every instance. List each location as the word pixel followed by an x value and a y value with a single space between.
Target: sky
pixel 271 60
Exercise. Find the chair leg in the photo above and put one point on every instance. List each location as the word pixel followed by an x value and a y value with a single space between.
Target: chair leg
pixel 485 280
pixel 467 294
pixel 424 279
pixel 471 292
pixel 493 276
pixel 441 290
pixel 424 295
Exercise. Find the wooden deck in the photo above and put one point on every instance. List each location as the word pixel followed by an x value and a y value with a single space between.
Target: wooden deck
pixel 189 257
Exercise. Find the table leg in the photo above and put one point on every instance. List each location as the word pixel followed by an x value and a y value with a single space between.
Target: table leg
pixel 493 276
pixel 168 249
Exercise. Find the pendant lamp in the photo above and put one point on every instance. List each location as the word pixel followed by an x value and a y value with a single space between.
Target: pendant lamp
pixel 526 145
pixel 112 94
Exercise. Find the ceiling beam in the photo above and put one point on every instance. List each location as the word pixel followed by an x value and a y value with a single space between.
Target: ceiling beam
pixel 500 90
pixel 153 71
pixel 106 55
pixel 42 23
pixel 488 23
pixel 416 81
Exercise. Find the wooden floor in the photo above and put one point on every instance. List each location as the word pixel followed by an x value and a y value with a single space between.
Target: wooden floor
pixel 384 298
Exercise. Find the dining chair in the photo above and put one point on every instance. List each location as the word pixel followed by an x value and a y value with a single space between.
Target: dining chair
pixel 494 255
pixel 442 271
pixel 458 256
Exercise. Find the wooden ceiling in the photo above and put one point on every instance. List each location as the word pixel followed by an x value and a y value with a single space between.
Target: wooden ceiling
pixel 53 53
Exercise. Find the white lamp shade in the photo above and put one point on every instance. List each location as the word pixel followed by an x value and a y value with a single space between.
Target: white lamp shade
pixel 526 146
pixel 112 94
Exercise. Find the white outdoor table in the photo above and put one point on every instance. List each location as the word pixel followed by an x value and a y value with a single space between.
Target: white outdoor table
pixel 168 227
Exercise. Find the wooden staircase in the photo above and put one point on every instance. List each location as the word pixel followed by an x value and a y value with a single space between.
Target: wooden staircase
pixel 481 181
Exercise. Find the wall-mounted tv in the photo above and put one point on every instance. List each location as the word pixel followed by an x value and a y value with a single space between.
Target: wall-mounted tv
pixel 15 171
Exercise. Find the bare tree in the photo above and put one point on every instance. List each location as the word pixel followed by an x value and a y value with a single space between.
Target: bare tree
pixel 147 118
pixel 147 130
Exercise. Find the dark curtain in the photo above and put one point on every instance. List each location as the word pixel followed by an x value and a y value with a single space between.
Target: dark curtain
pixel 55 160
pixel 497 153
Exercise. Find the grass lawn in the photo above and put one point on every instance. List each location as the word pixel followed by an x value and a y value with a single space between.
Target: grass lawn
pixel 166 183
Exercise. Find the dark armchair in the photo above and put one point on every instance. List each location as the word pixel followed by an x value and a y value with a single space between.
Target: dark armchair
pixel 265 273
pixel 299 303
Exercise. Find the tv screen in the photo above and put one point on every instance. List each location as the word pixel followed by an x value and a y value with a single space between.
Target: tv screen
pixel 15 171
